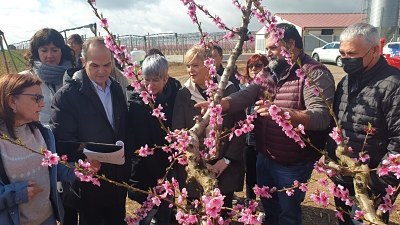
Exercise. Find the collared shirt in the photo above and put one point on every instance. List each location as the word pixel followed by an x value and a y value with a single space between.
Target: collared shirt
pixel 106 100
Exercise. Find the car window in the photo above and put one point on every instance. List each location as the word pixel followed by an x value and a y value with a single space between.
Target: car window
pixel 336 46
pixel 328 46
pixel 395 45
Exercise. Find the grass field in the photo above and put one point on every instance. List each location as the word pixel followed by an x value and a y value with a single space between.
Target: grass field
pixel 17 56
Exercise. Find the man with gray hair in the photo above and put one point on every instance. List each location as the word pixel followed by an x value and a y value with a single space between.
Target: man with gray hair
pixel 143 128
pixel 369 93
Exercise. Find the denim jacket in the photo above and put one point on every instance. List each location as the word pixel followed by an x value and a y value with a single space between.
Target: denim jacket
pixel 13 194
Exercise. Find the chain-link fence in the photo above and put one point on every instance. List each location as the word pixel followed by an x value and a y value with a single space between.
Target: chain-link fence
pixel 168 43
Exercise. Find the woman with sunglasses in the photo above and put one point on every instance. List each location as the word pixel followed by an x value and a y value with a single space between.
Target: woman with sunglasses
pixel 48 58
pixel 254 65
pixel 28 190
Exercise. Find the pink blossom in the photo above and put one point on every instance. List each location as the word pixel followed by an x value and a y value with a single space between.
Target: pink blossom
pixel 145 151
pixel 49 158
pixel 336 135
pixel 273 110
pixel 390 190
pixel 300 74
pixel 315 91
pixel 184 218
pixel 104 22
pixel 358 215
pixel 265 191
pixel 320 198
pixel 145 96
pixel 363 157
pixel 339 215
pixel 157 112
pixel 64 158
pixel 290 192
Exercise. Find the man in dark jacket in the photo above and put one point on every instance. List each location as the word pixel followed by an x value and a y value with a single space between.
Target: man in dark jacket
pixel 370 93
pixel 93 109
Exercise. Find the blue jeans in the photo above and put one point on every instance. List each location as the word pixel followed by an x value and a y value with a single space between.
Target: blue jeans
pixel 282 209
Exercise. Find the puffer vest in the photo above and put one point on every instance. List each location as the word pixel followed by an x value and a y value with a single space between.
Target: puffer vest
pixel 288 93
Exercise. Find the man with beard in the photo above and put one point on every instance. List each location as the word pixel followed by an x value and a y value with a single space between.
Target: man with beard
pixel 281 161
pixel 370 93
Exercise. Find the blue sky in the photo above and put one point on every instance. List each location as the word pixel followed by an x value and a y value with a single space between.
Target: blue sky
pixel 20 19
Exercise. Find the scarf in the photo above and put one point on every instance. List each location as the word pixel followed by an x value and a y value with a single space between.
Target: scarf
pixel 51 74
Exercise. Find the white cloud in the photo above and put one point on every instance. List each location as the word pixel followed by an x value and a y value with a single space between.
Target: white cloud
pixel 22 18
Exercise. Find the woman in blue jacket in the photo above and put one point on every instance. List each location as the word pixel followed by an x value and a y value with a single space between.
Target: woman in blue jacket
pixel 28 190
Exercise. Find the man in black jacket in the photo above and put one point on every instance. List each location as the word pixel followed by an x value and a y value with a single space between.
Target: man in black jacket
pixel 93 109
pixel 370 93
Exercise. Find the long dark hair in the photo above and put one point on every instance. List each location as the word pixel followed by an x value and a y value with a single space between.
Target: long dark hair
pixel 46 36
pixel 14 84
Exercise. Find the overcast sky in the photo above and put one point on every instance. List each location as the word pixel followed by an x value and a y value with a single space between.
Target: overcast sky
pixel 20 19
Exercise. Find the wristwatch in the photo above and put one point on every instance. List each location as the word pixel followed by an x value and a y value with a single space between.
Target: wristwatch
pixel 227 161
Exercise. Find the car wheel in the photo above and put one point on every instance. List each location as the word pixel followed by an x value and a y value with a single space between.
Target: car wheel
pixel 316 57
pixel 339 61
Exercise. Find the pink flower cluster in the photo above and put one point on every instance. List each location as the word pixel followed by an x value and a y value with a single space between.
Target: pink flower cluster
pixel 178 140
pixel 213 203
pixel 387 205
pixel 284 122
pixel 336 135
pixel 264 191
pixel 212 138
pixel 246 215
pixel 157 112
pixel 320 198
pixel 49 158
pixel 390 165
pixel 341 193
pixel 120 51
pixel 284 52
pixel 244 127
pixel 85 172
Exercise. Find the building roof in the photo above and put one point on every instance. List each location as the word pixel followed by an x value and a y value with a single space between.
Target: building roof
pixel 322 20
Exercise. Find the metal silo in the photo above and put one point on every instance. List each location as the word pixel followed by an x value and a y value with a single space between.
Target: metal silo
pixel 384 14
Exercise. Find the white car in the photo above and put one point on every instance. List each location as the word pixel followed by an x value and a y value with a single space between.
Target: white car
pixel 328 53
pixel 391 48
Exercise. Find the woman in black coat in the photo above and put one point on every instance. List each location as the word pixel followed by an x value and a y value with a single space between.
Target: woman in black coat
pixel 143 128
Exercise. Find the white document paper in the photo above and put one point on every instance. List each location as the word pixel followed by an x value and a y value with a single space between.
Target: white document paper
pixel 116 157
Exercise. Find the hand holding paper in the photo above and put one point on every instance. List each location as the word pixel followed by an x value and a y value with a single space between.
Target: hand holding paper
pixel 116 157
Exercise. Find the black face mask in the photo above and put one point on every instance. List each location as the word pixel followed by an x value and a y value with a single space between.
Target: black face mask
pixel 353 65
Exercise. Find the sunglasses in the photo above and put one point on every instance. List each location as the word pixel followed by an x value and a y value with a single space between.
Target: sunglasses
pixel 38 98
pixel 258 65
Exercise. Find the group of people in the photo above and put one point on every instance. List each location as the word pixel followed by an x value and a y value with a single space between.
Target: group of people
pixel 77 94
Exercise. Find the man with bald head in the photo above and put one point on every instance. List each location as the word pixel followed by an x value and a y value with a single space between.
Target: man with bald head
pixel 92 108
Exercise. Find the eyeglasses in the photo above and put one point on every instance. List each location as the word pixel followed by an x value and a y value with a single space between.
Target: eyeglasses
pixel 38 98
pixel 257 66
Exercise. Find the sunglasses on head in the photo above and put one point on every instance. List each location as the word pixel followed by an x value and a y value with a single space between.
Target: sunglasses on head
pixel 257 65
pixel 38 98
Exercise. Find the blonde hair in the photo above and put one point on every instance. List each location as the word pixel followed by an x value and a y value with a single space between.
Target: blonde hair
pixel 196 51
